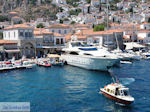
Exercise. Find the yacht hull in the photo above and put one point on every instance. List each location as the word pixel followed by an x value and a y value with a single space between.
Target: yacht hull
pixel 91 63
pixel 116 99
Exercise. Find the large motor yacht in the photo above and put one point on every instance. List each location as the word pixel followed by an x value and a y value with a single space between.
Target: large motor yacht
pixel 88 57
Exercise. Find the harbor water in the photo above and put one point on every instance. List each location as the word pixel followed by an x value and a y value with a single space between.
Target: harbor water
pixel 72 89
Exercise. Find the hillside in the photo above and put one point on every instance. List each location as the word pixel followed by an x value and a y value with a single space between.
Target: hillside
pixel 30 9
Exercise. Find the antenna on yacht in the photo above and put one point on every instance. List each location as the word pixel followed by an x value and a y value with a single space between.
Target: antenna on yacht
pixel 117 42
pixel 114 77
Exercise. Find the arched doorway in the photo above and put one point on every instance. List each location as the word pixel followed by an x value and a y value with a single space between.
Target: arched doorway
pixel 28 50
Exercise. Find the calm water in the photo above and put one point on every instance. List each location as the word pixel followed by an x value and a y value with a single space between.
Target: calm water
pixel 72 89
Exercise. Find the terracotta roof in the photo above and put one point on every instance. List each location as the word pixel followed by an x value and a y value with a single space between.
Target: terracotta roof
pixel 7 42
pixel 81 25
pixel 57 34
pixel 68 37
pixel 144 31
pixel 141 38
pixel 59 26
pixel 145 23
pixel 41 31
pixel 17 26
pixel 13 12
pixel 16 17
pixel 91 32
pixel 125 37
pixel 82 28
pixel 80 37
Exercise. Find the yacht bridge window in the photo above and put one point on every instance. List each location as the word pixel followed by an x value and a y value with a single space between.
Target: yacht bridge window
pixel 88 54
pixel 74 53
pixel 88 49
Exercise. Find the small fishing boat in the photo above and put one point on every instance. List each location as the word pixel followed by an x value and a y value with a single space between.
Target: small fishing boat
pixel 4 66
pixel 55 59
pixel 117 92
pixel 19 64
pixel 27 64
pixel 43 63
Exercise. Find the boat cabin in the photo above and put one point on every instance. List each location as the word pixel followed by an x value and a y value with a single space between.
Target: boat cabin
pixel 117 90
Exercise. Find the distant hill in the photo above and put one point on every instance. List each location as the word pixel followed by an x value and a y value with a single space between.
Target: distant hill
pixel 30 9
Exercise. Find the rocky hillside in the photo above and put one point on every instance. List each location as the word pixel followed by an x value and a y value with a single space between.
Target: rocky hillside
pixel 30 9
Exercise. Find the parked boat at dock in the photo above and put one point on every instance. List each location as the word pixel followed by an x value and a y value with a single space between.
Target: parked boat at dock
pixel 4 66
pixel 55 60
pixel 44 63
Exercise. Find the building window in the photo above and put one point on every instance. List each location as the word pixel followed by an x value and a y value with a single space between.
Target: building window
pixel 57 41
pixel 59 31
pixel 149 35
pixel 26 34
pixel 65 31
pixel 21 34
pixel 14 34
pixel 9 34
pixel 62 42
pixel 30 34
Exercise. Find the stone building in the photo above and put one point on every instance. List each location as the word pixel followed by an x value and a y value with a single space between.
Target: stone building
pixel 23 35
pixel 47 42
pixel 8 49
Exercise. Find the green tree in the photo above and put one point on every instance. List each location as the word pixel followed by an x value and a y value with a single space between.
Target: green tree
pixel 3 18
pixel 72 22
pixel 33 2
pixel 99 28
pixel 88 1
pixel 71 2
pixel 61 21
pixel 1 35
pixel 75 12
pixel 40 25
pixel 149 20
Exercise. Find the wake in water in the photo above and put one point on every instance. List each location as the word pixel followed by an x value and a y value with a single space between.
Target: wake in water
pixel 123 81
pixel 126 81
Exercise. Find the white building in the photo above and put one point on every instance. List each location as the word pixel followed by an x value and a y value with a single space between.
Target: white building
pixel 23 35
pixel 143 36
pixel 59 1
pixel 60 28
pixel 95 2
pixel 145 26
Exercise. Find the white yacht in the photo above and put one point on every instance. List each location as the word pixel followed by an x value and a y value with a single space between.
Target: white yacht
pixel 88 57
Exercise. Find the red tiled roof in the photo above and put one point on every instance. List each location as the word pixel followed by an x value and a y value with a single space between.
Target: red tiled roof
pixel 57 34
pixel 59 26
pixel 17 26
pixel 13 12
pixel 41 31
pixel 7 42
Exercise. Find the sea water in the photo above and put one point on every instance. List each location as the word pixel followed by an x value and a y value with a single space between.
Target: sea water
pixel 72 89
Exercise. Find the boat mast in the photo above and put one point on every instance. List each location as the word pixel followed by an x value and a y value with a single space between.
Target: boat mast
pixel 107 27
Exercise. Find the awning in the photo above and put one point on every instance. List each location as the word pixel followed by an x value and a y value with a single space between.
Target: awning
pixel 53 56
pixel 13 51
